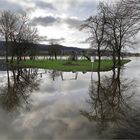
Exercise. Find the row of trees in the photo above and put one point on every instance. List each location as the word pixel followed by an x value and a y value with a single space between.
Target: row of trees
pixel 114 27
pixel 19 36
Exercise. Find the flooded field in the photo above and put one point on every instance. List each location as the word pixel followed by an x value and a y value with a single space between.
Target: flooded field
pixel 39 103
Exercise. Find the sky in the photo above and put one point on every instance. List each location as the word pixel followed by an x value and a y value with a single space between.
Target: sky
pixel 56 20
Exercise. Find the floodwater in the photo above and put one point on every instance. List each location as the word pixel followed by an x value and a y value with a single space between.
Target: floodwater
pixel 47 104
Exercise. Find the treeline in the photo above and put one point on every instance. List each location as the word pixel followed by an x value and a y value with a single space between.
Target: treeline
pixel 113 28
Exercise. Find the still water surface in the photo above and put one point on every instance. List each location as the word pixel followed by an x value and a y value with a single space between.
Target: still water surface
pixel 37 103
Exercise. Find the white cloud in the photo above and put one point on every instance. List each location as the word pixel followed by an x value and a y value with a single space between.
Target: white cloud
pixel 57 18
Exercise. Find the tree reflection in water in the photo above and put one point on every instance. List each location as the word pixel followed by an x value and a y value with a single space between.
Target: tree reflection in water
pixel 54 74
pixel 109 105
pixel 20 83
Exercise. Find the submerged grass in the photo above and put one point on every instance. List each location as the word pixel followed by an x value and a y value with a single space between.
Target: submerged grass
pixel 65 65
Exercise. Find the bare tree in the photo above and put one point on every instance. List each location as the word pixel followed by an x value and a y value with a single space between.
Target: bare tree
pixel 122 24
pixel 16 37
pixel 96 26
pixel 26 40
pixel 54 50
pixel 16 92
pixel 8 22
pixel 19 36
pixel 114 27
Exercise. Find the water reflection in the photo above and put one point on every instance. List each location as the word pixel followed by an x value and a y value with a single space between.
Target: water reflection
pixel 110 105
pixel 54 110
pixel 20 83
pixel 55 74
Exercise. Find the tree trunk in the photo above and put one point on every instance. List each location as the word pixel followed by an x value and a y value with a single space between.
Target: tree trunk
pixel 119 58
pixel 99 58
pixel 6 46
pixel 114 58
pixel 55 56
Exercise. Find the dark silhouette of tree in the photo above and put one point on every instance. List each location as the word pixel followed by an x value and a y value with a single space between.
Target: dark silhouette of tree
pixel 73 56
pixel 54 50
pixel 25 40
pixel 8 23
pixel 122 24
pixel 54 74
pixel 19 36
pixel 85 55
pixel 108 101
pixel 19 86
pixel 96 26
pixel 114 27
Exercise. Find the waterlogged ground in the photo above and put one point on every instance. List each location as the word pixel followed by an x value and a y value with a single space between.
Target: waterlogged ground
pixel 36 103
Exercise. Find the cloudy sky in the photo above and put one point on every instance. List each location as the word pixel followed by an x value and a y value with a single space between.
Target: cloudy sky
pixel 57 20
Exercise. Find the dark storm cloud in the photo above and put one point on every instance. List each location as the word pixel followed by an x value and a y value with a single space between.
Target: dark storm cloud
pixel 45 21
pixel 83 42
pixel 56 40
pixel 73 23
pixel 50 20
pixel 44 5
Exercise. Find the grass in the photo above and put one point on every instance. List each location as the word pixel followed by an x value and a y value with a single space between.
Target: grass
pixel 65 65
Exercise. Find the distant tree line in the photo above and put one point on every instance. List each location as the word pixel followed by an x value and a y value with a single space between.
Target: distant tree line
pixel 54 49
pixel 113 28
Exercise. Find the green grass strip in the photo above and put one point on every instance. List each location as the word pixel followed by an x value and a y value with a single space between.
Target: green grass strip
pixel 66 65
